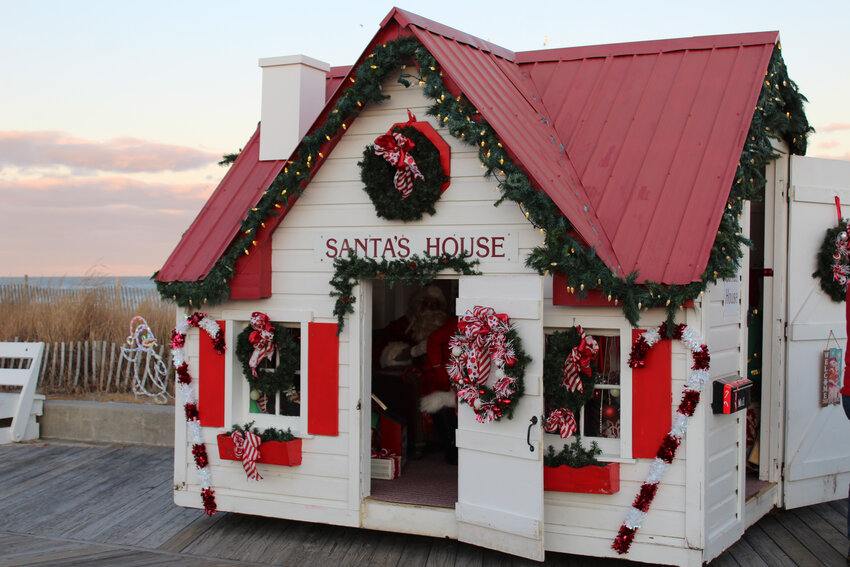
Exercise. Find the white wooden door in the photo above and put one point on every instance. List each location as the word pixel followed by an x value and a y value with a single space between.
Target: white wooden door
pixel 817 454
pixel 500 477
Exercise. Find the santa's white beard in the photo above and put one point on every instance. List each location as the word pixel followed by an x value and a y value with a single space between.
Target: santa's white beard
pixel 425 324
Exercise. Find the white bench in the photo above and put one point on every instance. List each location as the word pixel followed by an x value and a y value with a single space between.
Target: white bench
pixel 19 367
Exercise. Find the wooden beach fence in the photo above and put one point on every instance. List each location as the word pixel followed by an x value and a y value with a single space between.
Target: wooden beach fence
pixel 88 366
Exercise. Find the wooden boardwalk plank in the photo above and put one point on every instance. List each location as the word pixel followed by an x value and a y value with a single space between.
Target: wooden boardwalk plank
pixel 787 542
pixel 106 504
pixel 743 554
pixel 826 531
pixel 758 539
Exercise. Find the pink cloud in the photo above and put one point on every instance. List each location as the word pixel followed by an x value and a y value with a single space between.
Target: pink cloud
pixel 829 144
pixel 45 149
pixel 65 226
pixel 96 192
pixel 834 127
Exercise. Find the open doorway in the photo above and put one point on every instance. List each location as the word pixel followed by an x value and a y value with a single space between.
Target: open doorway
pixel 760 275
pixel 414 410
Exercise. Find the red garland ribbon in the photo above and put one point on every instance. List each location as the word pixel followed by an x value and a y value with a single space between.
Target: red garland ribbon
pixel 645 496
pixel 690 400
pixel 191 412
pixel 200 454
pixel 701 358
pixel 623 541
pixel 183 374
pixel 177 340
pixel 668 447
pixel 208 496
pixel 637 358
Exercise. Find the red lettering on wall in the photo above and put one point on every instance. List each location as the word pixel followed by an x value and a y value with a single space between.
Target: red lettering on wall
pixel 403 245
pixel 331 246
pixel 498 243
pixel 432 249
pixel 483 248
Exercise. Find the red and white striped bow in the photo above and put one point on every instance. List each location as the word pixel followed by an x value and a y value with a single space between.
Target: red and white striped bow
pixel 578 361
pixel 394 148
pixel 561 421
pixel 483 330
pixel 262 337
pixel 246 446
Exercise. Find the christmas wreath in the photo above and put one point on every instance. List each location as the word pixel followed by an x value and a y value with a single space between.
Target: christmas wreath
pixel 568 378
pixel 259 341
pixel 402 173
pixel 485 339
pixel 833 262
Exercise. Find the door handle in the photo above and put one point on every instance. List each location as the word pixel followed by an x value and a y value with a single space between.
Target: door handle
pixel 533 421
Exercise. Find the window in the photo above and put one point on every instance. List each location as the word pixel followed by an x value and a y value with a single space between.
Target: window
pixel 285 402
pixel 606 415
pixel 286 408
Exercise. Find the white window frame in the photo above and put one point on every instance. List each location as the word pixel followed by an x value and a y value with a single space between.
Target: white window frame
pixel 238 390
pixel 619 450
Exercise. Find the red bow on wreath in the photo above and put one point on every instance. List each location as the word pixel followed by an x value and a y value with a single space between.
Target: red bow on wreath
pixel 262 337
pixel 561 421
pixel 484 330
pixel 579 361
pixel 395 147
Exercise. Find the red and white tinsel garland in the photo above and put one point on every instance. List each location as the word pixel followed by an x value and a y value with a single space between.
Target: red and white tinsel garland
pixel 667 450
pixel 184 384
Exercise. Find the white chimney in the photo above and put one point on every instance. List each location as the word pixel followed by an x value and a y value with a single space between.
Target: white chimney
pixel 293 96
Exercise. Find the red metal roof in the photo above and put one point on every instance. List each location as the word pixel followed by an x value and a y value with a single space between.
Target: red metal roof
pixel 636 143
pixel 655 131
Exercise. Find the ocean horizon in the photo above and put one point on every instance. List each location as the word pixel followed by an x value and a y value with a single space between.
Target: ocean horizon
pixel 70 282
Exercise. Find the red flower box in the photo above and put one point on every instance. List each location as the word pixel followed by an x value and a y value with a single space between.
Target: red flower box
pixel 590 479
pixel 287 453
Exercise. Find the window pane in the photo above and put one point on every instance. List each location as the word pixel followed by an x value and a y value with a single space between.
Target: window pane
pixel 285 402
pixel 602 414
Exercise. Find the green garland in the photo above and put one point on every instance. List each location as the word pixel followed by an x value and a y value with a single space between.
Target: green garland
pixel 825 259
pixel 415 269
pixel 574 455
pixel 559 345
pixel 268 434
pixel 778 114
pixel 269 381
pixel 377 175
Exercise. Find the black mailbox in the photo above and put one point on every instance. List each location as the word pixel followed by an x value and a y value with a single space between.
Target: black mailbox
pixel 731 394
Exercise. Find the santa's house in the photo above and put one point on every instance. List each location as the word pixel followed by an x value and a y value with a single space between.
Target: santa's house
pixel 627 234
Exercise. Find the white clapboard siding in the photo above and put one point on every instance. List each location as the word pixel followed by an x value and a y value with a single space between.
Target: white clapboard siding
pixel 725 441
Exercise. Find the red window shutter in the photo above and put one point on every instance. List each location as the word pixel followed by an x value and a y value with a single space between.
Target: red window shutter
pixel 210 382
pixel 652 399
pixel 253 276
pixel 323 379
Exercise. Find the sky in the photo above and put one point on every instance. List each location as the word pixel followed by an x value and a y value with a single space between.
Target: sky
pixel 114 114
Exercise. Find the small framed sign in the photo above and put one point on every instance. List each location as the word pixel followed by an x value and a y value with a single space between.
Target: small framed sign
pixel 832 362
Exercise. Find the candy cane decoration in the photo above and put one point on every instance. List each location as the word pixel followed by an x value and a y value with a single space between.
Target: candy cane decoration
pixel 184 384
pixel 667 450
